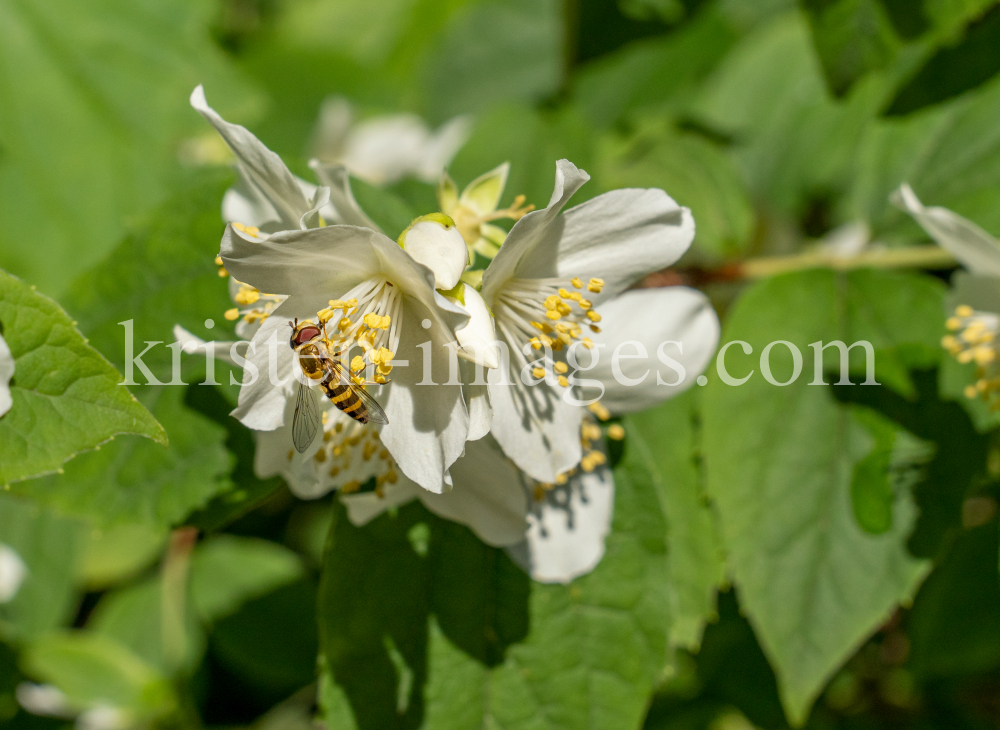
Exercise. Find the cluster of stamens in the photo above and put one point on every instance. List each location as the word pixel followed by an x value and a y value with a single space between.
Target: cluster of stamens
pixel 352 451
pixel 551 316
pixel 591 442
pixel 360 321
pixel 975 341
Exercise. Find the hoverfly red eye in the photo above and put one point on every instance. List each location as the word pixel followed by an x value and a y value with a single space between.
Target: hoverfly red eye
pixel 306 334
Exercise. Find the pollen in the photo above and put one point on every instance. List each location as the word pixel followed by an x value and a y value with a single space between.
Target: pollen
pixel 975 342
pixel 561 368
pixel 357 364
pixel 600 411
pixel 232 314
pixel 563 381
pixel 593 316
pixel 595 285
pixel 246 295
pixel 249 230
pixel 577 282
pixel 538 373
pixel 616 432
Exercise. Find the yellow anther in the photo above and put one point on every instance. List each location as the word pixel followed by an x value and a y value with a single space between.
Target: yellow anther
pixel 575 296
pixel 383 455
pixel 587 342
pixel 249 230
pixel 984 355
pixel 246 295
pixel 595 317
pixel 538 373
pixel 595 329
pixel 577 282
pixel 291 453
pixel 563 381
pixel 953 323
pixel 350 487
pixel 561 479
pixel 963 310
pixel 232 314
pixel 971 391
pixel 358 363
pixel 561 367
pixel 553 315
pixel 334 471
pixel 596 285
pixel 552 302
pixel 218 261
pixel 600 411
pixel 383 369
pixel 585 304
pixel 320 456
pixel 344 324
pixel 563 308
pixel 616 432
pixel 564 293
pixel 965 356
pixel 223 273
pixel 536 344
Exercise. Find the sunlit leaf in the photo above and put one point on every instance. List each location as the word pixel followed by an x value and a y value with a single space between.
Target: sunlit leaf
pixel 67 397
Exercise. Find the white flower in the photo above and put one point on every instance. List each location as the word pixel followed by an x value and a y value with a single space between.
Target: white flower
pixel 6 373
pixel 974 248
pixel 570 518
pixel 544 286
pixel 434 241
pixel 385 149
pixel 375 297
pixel 13 571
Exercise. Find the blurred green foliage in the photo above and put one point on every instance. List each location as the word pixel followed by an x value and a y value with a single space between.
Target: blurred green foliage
pixel 819 555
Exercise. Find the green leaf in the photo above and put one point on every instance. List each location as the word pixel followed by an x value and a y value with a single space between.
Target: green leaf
pixel 227 571
pixel 459 637
pixel 160 275
pixel 950 155
pixel 693 171
pixel 67 397
pixel 95 105
pixel 852 38
pixel 91 669
pixel 492 52
pixel 780 462
pixel 113 555
pixel 135 480
pixel 49 546
pixel 669 437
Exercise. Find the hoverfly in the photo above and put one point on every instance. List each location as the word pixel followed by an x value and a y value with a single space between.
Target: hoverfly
pixel 319 365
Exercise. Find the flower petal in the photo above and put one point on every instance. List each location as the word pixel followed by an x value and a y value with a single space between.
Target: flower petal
pixel 478 338
pixel 439 247
pixel 652 317
pixel 620 237
pixel 261 167
pixel 6 373
pixel 483 194
pixel 442 147
pixel 535 427
pixel 428 423
pixel 315 263
pixel 974 248
pixel 477 400
pixel 567 529
pixel 262 403
pixel 363 508
pixel 532 230
pixel 488 496
pixel 337 178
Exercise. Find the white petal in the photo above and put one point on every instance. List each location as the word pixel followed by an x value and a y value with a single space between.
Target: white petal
pixel 477 400
pixel 363 508
pixel 332 128
pixel 568 528
pixel 440 248
pixel 262 167
pixel 243 204
pixel 488 496
pixel 262 404
pixel 428 424
pixel 13 571
pixel 6 373
pixel 974 248
pixel 336 177
pixel 317 264
pixel 383 150
pixel 221 350
pixel 620 237
pixel 478 338
pixel 651 317
pixel 536 428
pixel 532 230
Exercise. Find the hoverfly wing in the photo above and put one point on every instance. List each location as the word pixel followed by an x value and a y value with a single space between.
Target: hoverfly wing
pixel 307 420
pixel 375 412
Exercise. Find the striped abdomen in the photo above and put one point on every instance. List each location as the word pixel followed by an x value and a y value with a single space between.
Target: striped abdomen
pixel 345 398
